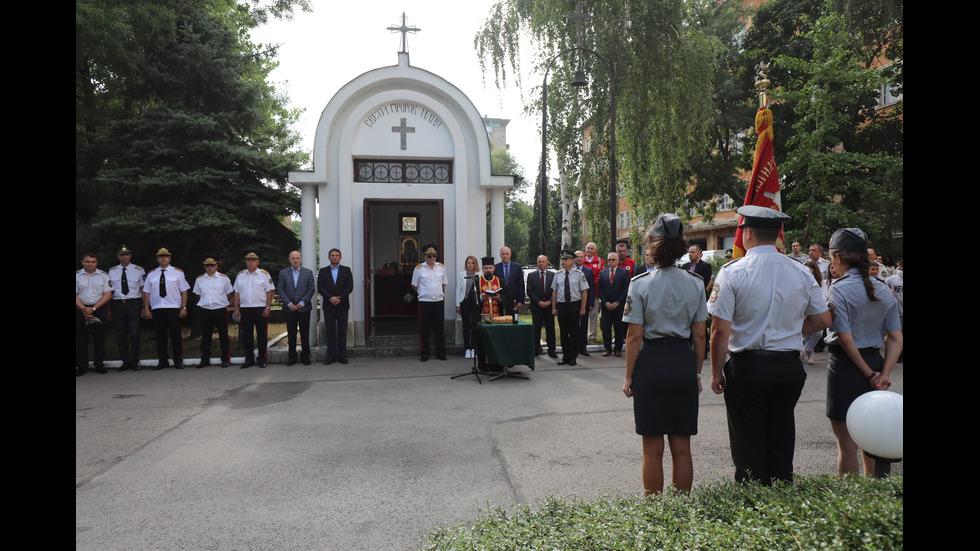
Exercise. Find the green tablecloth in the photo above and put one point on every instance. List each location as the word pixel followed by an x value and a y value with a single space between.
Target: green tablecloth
pixel 505 344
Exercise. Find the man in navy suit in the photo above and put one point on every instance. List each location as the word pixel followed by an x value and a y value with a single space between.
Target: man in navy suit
pixel 583 324
pixel 614 283
pixel 296 291
pixel 335 283
pixel 512 274
pixel 539 298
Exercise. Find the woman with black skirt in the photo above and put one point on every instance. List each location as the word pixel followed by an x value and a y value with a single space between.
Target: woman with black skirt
pixel 864 312
pixel 665 308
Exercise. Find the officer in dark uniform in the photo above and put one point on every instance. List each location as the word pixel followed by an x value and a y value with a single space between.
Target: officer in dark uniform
pixel 760 305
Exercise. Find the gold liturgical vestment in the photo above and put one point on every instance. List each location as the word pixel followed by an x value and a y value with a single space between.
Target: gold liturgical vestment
pixel 490 306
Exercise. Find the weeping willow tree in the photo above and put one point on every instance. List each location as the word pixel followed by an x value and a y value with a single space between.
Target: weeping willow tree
pixel 663 65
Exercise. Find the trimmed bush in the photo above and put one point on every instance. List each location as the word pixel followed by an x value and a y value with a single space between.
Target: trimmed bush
pixel 821 512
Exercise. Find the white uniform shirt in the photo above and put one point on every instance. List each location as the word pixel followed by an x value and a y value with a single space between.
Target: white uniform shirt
pixel 91 287
pixel 429 282
pixel 253 287
pixel 213 291
pixel 134 278
pixel 665 302
pixel 176 284
pixel 765 296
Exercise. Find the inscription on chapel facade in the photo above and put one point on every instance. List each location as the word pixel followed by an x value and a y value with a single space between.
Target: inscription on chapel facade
pixel 402 108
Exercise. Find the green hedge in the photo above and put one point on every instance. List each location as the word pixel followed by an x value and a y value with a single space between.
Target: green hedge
pixel 822 512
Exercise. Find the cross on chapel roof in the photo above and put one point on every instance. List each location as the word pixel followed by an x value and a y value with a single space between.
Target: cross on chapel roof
pixel 404 30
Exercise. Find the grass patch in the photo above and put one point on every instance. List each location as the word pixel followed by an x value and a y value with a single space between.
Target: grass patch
pixel 820 512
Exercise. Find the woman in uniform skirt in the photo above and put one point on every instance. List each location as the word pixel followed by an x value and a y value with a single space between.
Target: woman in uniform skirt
pixel 666 313
pixel 864 312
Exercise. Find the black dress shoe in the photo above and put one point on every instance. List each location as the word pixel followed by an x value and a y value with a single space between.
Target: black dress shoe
pixel 291 362
pixel 562 362
pixel 424 358
pixel 247 364
pixel 261 362
pixel 552 354
pixel 100 369
pixel 204 363
pixel 179 365
pixel 225 363
pixel 538 352
pixel 572 362
pixel 79 371
pixel 306 361
pixel 441 357
pixel 329 361
pixel 342 360
pixel 124 366
pixel 136 366
pixel 159 366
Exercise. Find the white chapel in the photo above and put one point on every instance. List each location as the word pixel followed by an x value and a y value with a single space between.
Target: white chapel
pixel 401 159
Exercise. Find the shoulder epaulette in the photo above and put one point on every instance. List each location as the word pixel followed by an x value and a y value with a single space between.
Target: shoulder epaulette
pixel 178 269
pixel 243 271
pixel 200 276
pixel 265 272
pixel 845 276
pixel 221 274
pixel 634 278
pixel 441 264
pixel 696 274
pixel 419 265
pixel 734 260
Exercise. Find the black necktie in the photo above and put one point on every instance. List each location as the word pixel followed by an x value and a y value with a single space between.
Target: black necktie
pixel 568 291
pixel 163 283
pixel 542 281
pixel 125 284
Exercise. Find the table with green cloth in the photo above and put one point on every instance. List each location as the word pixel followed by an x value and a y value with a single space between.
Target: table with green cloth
pixel 503 344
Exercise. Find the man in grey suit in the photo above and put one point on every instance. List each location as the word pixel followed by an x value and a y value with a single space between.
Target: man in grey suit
pixel 335 283
pixel 296 290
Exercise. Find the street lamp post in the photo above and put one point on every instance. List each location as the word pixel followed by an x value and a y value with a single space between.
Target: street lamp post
pixel 578 81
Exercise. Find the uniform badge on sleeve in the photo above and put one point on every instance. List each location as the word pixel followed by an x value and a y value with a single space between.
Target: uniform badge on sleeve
pixel 629 305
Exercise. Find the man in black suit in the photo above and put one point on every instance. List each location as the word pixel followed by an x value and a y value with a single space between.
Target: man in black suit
pixel 614 283
pixel 512 274
pixel 296 288
pixel 539 298
pixel 699 267
pixel 583 324
pixel 335 283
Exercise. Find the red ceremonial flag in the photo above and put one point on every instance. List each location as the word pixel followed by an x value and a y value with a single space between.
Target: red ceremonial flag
pixel 764 184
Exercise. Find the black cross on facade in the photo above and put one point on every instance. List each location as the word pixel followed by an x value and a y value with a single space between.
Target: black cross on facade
pixel 404 30
pixel 404 131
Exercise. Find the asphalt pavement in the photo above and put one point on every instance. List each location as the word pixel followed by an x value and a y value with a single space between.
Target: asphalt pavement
pixel 373 455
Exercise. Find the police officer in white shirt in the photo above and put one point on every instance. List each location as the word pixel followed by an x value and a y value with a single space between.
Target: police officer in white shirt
pixel 165 302
pixel 760 304
pixel 429 281
pixel 253 303
pixel 213 289
pixel 92 293
pixel 126 279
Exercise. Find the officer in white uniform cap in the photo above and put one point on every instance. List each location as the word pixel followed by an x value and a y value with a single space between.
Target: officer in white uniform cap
pixel 760 305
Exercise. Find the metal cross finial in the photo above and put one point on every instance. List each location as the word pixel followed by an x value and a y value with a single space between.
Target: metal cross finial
pixel 404 30
pixel 579 17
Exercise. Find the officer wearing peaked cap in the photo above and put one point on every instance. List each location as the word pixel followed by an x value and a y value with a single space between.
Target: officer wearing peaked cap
pixel 760 305
pixel 213 289
pixel 569 295
pixel 127 279
pixel 429 282
pixel 253 302
pixel 165 302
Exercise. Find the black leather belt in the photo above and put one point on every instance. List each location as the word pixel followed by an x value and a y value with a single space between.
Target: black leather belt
pixel 840 349
pixel 787 354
